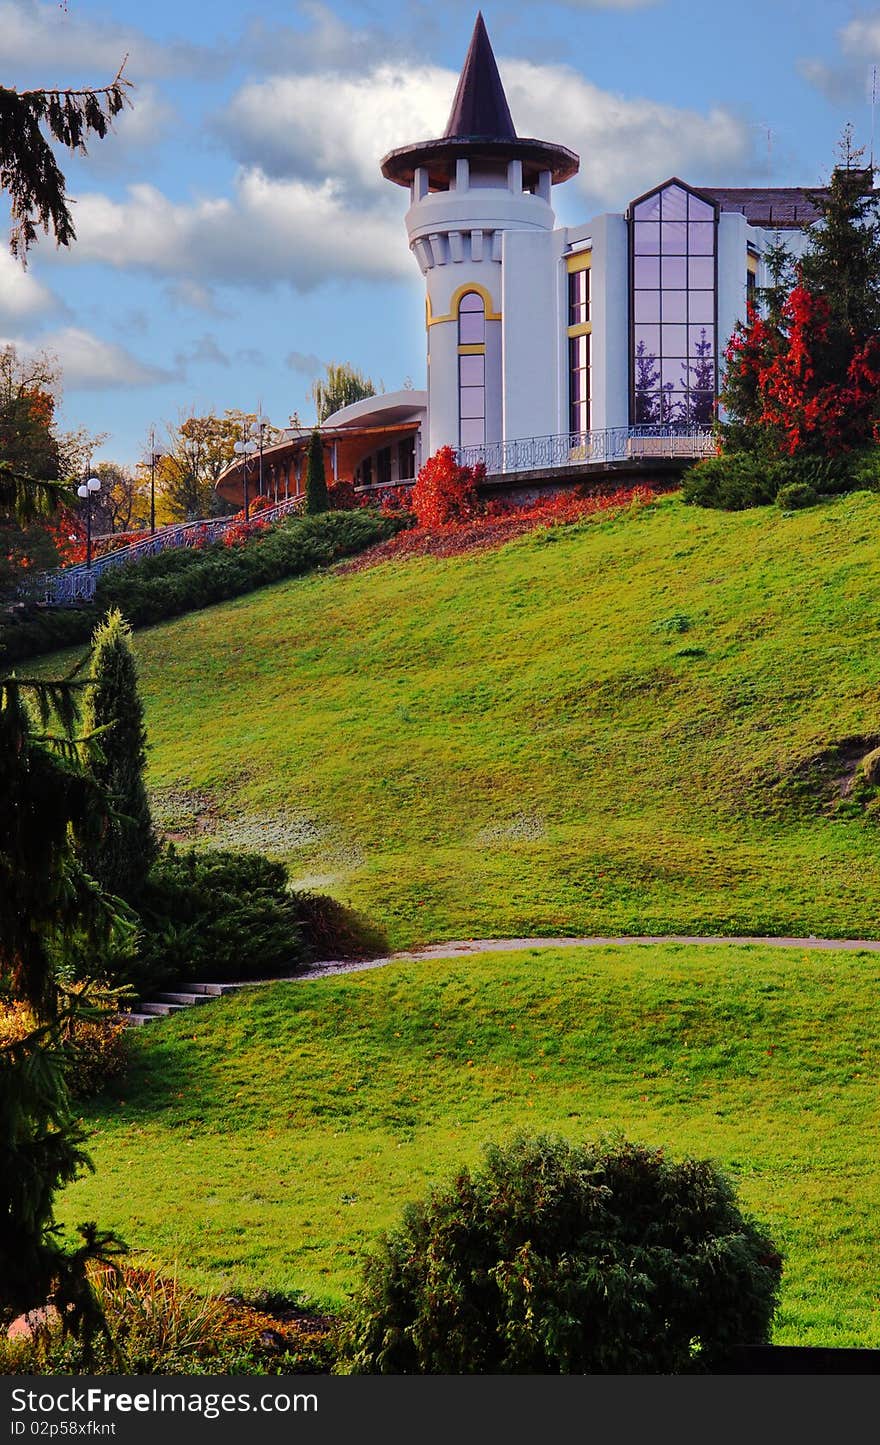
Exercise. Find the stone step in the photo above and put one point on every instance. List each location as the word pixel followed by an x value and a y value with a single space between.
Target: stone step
pixel 211 990
pixel 135 1019
pixel 185 999
pixel 162 1010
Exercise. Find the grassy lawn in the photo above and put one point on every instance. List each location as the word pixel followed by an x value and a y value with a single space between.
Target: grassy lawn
pixel 262 1141
pixel 584 731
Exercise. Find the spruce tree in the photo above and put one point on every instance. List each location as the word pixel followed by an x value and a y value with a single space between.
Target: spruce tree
pixel 317 499
pixel 843 259
pixel 125 853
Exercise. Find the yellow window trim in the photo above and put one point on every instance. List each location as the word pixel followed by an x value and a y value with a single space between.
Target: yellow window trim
pixel 455 303
pixel 752 264
pixel 473 348
pixel 581 261
pixel 583 328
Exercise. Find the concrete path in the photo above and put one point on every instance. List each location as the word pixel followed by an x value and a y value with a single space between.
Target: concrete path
pixel 459 948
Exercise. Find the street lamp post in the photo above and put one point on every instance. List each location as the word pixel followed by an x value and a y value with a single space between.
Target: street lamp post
pixel 155 458
pixel 246 449
pixel 87 490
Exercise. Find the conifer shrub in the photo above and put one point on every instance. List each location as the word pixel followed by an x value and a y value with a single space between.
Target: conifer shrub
pixel 218 916
pixel 738 480
pixel 122 857
pixel 317 499
pixel 796 495
pixel 557 1258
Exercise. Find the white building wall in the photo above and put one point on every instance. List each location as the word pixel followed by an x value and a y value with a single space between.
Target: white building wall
pixel 609 312
pixel 531 266
pixel 732 273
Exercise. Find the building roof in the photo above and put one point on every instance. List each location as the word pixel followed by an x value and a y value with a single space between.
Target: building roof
pixel 480 106
pixel 784 208
pixel 480 125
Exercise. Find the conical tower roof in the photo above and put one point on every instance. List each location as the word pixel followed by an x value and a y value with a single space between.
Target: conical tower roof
pixel 480 124
pixel 480 106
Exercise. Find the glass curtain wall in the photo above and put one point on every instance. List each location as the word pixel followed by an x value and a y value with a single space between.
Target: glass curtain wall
pixel 673 240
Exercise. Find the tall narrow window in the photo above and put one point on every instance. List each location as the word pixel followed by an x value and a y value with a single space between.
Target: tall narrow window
pixel 472 370
pixel 674 367
pixel 579 342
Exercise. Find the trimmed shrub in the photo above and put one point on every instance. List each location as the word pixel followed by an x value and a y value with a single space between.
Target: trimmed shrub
pixel 865 470
pixel 555 1258
pixel 217 915
pixel 739 480
pixel 795 495
pixel 732 483
pixel 444 491
pixel 184 579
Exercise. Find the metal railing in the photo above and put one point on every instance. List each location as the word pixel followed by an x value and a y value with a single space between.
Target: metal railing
pixel 590 448
pixel 68 585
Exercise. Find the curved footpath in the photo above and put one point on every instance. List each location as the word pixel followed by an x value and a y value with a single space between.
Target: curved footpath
pixel 460 947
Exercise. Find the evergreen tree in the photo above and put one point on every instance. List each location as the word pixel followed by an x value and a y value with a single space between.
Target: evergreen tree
pixel 49 907
pixel 843 260
pixel 29 171
pixel 317 499
pixel 122 858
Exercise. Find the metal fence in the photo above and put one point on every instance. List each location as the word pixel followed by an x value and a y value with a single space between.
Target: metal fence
pixel 69 585
pixel 590 448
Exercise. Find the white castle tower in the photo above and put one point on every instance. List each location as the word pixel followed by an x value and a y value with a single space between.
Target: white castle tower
pixel 467 190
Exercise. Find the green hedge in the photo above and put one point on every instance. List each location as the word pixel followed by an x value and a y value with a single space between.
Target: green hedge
pixel 184 579
pixel 739 480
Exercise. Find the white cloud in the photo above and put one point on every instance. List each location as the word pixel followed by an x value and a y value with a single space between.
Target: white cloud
pixel 22 297
pixel 88 362
pixel 625 145
pixel 269 231
pixel 848 79
pixel 301 125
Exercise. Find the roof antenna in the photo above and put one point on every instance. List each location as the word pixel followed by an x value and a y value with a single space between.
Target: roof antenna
pixel 873 108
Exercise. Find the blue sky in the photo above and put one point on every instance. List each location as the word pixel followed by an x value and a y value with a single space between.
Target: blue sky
pixel 234 234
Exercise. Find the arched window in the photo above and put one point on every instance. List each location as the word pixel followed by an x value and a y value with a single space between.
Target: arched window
pixel 674 358
pixel 472 370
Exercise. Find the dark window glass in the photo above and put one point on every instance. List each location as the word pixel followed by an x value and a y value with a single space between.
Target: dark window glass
pixel 647 238
pixel 471 320
pixel 367 471
pixel 383 467
pixel 578 297
pixel 579 383
pixel 406 459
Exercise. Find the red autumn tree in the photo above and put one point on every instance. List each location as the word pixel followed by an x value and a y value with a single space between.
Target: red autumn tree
pixel 803 371
pixel 446 492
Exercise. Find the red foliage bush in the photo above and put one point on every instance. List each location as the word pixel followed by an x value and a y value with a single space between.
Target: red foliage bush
pixel 445 492
pixel 343 497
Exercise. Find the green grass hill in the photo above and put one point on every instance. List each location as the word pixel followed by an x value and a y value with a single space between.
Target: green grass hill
pixel 640 724
pixel 263 1141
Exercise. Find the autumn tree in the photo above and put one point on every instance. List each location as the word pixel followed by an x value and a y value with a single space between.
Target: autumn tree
pixel 343 385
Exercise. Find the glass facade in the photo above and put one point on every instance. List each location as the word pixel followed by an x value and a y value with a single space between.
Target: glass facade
pixel 674 357
pixel 472 370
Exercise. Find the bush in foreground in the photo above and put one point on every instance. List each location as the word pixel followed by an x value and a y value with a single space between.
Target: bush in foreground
pixel 554 1258
pixel 738 480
